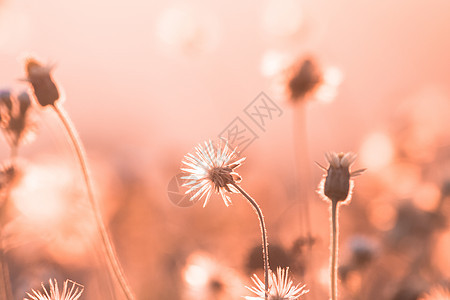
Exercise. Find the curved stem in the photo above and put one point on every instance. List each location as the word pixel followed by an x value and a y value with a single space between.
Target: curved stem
pixel 334 249
pixel 106 242
pixel 263 234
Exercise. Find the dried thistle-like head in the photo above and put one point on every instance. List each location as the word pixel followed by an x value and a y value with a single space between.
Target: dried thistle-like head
pixel 305 77
pixel 211 168
pixel 281 287
pixel 337 184
pixel 42 82
pixel 16 122
pixel 71 291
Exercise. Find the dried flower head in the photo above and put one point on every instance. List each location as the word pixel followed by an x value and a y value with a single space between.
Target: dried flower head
pixel 280 287
pixel 437 293
pixel 16 122
pixel 42 82
pixel 337 184
pixel 305 77
pixel 210 168
pixel 71 291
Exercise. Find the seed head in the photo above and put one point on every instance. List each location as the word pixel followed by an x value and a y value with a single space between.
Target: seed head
pixel 281 287
pixel 211 168
pixel 42 82
pixel 337 184
pixel 71 291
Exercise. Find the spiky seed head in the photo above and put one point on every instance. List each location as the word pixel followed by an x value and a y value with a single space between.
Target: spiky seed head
pixel 71 291
pixel 211 168
pixel 281 287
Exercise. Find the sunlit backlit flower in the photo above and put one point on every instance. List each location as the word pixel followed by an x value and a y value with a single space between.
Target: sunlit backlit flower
pixel 71 291
pixel 211 168
pixel 337 184
pixel 280 287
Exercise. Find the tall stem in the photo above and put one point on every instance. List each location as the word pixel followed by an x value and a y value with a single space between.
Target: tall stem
pixel 5 281
pixel 263 234
pixel 106 242
pixel 334 249
pixel 302 163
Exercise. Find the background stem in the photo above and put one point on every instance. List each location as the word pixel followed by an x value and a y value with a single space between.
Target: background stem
pixel 263 234
pixel 106 242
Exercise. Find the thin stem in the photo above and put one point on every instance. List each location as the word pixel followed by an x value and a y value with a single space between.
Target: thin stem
pixel 6 288
pixel 5 292
pixel 263 234
pixel 303 183
pixel 334 248
pixel 106 242
pixel 302 162
pixel 5 280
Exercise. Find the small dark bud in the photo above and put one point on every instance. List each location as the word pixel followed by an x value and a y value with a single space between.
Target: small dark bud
pixel 337 184
pixel 42 82
pixel 304 79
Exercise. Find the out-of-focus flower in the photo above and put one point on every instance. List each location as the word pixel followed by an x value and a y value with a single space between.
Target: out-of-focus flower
pixel 188 29
pixel 363 250
pixel 437 293
pixel 15 119
pixel 210 168
pixel 303 79
pixel 71 291
pixel 40 78
pixel 206 278
pixel 280 287
pixel 337 184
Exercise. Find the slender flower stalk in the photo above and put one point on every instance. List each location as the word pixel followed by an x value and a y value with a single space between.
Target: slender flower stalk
pixel 263 233
pixel 337 186
pixel 210 169
pixel 47 94
pixel 71 291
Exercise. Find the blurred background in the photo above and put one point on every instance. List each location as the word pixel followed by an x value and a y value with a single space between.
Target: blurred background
pixel 146 81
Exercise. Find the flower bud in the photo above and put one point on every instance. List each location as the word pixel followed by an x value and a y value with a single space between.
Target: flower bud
pixel 42 82
pixel 305 78
pixel 337 184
